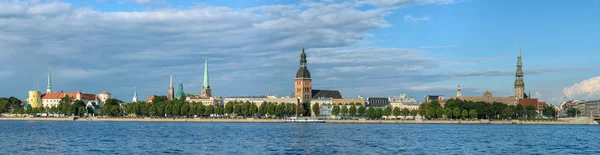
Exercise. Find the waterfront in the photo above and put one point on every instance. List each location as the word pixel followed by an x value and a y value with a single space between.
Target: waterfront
pixel 57 137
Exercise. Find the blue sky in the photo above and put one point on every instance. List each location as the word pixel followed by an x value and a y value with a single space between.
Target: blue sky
pixel 368 48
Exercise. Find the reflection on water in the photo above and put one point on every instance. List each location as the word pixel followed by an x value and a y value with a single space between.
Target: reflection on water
pixel 23 137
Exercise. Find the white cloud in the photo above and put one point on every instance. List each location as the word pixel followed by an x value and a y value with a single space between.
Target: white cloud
pixel 432 88
pixel 585 90
pixel 401 3
pixel 411 19
pixel 437 46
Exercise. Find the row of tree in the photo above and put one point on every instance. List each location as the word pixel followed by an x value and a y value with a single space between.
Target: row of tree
pixel 456 108
pixel 162 107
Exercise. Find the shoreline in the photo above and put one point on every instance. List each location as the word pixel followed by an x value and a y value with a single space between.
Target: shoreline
pixel 252 120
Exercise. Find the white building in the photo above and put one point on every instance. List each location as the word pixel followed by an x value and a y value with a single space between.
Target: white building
pixel 403 101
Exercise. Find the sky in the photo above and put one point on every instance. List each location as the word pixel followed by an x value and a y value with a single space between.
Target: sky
pixel 367 48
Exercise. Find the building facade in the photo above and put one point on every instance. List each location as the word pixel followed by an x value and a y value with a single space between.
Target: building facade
pixel 53 99
pixel 403 101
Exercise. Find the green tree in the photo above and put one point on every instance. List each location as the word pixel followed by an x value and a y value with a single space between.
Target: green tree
pixel 201 109
pixel 431 112
pixel 4 105
pixel 253 110
pixel 280 109
pixel 387 111
pixel 152 110
pixel 439 112
pixel 344 111
pixel 271 109
pixel 465 114
pixel 473 113
pixel 361 110
pixel 185 109
pixel 378 112
pixel 397 112
pixel 193 109
pixel 158 99
pixel 456 112
pixel 414 113
pixel 335 111
pixel 316 110
pixel 520 111
pixel 406 112
pixel 209 110
pixel 160 108
pixel 371 112
pixel 352 111
pixel 168 109
pixel 448 112
pixel 176 109
pixel 422 112
pixel 262 109
pixel 507 112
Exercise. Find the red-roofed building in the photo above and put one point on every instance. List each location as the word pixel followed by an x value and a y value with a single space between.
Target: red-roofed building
pixel 52 99
pixel 533 102
pixel 149 99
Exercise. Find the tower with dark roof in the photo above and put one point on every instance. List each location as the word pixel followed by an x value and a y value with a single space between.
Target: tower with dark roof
pixel 303 82
pixel 519 83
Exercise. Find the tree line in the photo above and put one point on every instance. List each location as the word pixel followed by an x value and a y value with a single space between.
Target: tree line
pixel 456 108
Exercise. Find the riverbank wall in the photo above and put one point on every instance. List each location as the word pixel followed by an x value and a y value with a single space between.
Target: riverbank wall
pixel 252 120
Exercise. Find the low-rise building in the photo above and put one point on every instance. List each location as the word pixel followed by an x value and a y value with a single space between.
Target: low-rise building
pixel 53 98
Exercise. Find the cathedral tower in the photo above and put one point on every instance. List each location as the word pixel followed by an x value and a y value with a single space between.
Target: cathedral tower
pixel 171 94
pixel 303 82
pixel 206 91
pixel 519 84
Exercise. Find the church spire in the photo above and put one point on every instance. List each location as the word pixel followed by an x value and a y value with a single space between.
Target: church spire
pixel 135 98
pixel 519 83
pixel 171 81
pixel 49 88
pixel 171 94
pixel 206 81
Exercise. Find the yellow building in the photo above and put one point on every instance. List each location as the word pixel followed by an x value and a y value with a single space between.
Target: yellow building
pixel 35 99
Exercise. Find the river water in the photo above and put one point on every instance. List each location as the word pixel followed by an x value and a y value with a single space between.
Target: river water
pixel 47 137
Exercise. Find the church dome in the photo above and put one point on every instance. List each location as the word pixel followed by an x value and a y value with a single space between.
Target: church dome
pixel 303 73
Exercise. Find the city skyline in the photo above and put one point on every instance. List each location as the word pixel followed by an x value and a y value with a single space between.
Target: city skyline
pixel 376 49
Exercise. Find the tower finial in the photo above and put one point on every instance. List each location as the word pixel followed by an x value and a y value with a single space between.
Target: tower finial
pixel 519 46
